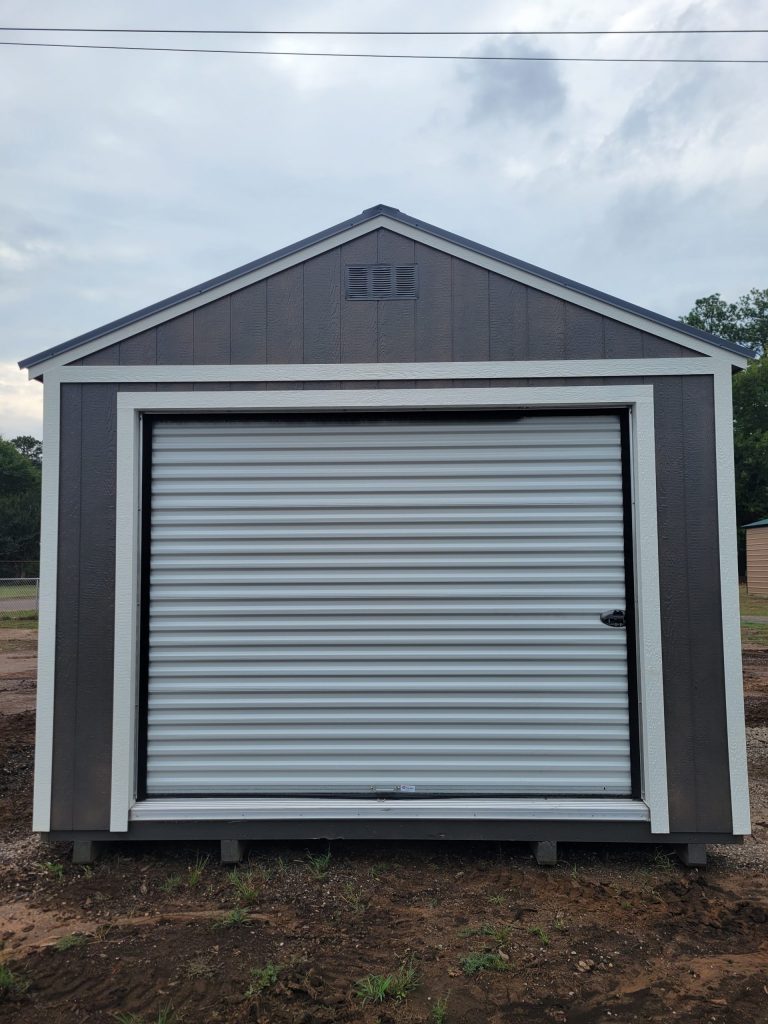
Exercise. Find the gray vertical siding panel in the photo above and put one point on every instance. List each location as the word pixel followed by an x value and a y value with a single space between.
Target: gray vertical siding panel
pixel 583 333
pixel 396 318
pixel 622 341
pixel 434 334
pixel 359 320
pixel 660 348
pixel 322 310
pixel 210 337
pixel 175 345
pixel 471 320
pixel 248 325
pixel 674 585
pixel 65 734
pixel 546 326
pixel 507 318
pixel 139 351
pixel 93 749
pixel 707 697
pixel 285 321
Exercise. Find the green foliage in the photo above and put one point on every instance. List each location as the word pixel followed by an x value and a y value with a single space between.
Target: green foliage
pixel 484 961
pixel 11 984
pixel 375 988
pixel 195 873
pixel 750 436
pixel 29 447
pixel 70 942
pixel 744 321
pixel 262 978
pixel 319 863
pixel 439 1013
pixel 541 935
pixel 234 918
pixel 245 886
pixel 19 505
pixel 165 1015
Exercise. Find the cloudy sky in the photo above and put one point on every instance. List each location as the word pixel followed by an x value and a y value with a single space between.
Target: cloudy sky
pixel 128 176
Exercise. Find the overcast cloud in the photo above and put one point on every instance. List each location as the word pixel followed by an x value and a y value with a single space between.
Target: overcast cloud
pixel 128 176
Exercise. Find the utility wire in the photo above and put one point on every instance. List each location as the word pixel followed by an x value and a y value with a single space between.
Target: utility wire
pixel 408 32
pixel 397 56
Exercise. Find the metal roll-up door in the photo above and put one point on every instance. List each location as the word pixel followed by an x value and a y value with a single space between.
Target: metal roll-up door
pixel 391 604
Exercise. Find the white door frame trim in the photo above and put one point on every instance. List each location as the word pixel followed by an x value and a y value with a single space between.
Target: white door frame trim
pixel 637 398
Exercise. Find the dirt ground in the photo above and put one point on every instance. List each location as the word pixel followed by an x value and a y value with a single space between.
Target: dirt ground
pixel 468 933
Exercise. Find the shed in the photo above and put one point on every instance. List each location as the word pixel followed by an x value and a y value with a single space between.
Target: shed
pixel 388 534
pixel 757 557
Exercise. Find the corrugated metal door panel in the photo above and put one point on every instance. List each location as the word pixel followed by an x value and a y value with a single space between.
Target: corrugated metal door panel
pixel 350 607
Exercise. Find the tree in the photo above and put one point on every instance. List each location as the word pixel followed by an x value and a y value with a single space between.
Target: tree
pixel 744 321
pixel 19 505
pixel 750 439
pixel 29 447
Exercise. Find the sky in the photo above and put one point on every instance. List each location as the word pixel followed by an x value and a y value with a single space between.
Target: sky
pixel 126 177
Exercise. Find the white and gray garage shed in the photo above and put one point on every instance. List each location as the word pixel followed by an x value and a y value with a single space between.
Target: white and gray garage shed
pixel 389 534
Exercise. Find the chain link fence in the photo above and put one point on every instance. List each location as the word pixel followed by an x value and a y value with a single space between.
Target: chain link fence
pixel 19 597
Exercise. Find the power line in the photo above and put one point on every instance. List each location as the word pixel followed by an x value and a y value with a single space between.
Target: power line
pixel 395 56
pixel 408 32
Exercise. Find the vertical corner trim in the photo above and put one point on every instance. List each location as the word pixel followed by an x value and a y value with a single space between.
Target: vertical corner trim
pixel 729 596
pixel 46 644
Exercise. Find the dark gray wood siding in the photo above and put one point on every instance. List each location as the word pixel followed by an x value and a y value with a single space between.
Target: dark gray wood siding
pixel 463 313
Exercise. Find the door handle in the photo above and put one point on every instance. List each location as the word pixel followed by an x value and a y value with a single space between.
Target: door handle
pixel 617 618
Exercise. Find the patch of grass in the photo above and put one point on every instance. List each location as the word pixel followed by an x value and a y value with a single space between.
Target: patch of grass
pixel 319 863
pixel 375 988
pixel 439 1013
pixel 235 918
pixel 11 984
pixel 754 634
pixel 199 968
pixel 173 882
pixel 500 933
pixel 540 934
pixel 18 620
pixel 70 942
pixel 483 961
pixel 55 869
pixel 752 604
pixel 195 873
pixel 262 978
pixel 353 896
pixel 244 885
pixel 497 898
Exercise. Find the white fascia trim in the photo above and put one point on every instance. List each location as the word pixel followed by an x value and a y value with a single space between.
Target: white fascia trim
pixel 417 235
pixel 638 398
pixel 46 642
pixel 456 809
pixel 287 372
pixel 729 596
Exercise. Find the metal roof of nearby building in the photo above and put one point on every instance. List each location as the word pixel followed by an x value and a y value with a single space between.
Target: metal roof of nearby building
pixel 397 216
pixel 758 522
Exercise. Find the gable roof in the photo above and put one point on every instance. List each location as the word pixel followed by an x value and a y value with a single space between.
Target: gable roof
pixel 758 522
pixel 378 216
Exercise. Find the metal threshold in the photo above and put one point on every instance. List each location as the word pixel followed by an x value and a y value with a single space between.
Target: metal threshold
pixel 450 808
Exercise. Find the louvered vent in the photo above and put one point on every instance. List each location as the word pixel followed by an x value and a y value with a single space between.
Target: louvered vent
pixel 382 281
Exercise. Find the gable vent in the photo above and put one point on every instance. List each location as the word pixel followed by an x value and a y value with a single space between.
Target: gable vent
pixel 382 281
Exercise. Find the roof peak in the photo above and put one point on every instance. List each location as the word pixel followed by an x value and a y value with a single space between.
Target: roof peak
pixel 392 211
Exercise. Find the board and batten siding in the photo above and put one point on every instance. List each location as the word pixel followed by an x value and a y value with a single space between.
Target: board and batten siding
pixel 462 313
pixel 757 560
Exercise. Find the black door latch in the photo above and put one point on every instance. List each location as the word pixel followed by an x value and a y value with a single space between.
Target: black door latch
pixel 616 618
